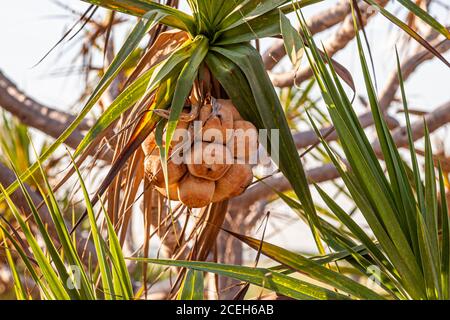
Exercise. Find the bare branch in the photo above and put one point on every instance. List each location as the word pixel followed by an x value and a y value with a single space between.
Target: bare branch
pixel 308 138
pixel 338 41
pixel 6 178
pixel 317 23
pixel 264 190
pixel 434 120
pixel 408 66
pixel 34 114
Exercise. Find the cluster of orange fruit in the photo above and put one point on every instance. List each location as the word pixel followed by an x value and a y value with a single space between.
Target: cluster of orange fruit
pixel 215 164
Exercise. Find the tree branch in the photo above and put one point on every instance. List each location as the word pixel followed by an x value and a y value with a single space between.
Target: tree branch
pixel 34 114
pixel 317 23
pixel 434 120
pixel 264 190
pixel 6 178
pixel 408 66
pixel 338 41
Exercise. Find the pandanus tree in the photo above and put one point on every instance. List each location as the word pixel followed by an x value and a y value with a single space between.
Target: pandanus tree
pixel 216 37
pixel 206 60
pixel 208 49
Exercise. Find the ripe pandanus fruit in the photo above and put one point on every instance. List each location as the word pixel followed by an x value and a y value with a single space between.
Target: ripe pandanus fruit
pixel 173 192
pixel 195 192
pixel 227 104
pixel 209 161
pixel 217 121
pixel 154 170
pixel 236 180
pixel 180 136
pixel 245 141
pixel 207 174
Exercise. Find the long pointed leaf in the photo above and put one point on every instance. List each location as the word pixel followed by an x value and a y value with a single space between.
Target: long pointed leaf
pixel 309 267
pixel 265 278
